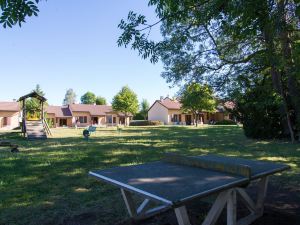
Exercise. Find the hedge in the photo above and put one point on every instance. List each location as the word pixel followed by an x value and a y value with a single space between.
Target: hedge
pixel 225 122
pixel 145 123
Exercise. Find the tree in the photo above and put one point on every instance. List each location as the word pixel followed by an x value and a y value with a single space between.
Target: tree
pixel 219 42
pixel 197 98
pixel 261 118
pixel 144 107
pixel 88 98
pixel 70 97
pixel 14 12
pixel 100 101
pixel 33 105
pixel 125 101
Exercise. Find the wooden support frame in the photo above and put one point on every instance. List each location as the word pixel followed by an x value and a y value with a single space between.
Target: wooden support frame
pixel 182 216
pixel 142 211
pixel 226 199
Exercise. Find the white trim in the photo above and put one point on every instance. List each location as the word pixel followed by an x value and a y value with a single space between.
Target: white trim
pixel 128 187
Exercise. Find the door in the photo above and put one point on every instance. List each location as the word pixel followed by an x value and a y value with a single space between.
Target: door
pixel 122 120
pixel 62 122
pixel 188 119
pixel 5 121
pixel 95 120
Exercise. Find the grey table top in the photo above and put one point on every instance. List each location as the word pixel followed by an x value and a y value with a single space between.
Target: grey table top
pixel 173 183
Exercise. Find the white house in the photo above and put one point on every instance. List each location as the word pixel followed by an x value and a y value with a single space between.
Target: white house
pixel 169 112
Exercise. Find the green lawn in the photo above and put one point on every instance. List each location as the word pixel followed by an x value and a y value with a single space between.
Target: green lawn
pixel 47 182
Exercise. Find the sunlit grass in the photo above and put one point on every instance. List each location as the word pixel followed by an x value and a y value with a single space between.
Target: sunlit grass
pixel 48 182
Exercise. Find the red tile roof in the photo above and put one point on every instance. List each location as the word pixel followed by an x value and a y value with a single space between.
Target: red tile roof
pixel 59 111
pixel 94 110
pixel 10 106
pixel 169 103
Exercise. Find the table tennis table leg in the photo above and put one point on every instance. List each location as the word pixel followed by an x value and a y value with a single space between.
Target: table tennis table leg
pixel 256 208
pixel 182 216
pixel 141 211
pixel 131 208
pixel 231 208
pixel 217 208
pixel 261 195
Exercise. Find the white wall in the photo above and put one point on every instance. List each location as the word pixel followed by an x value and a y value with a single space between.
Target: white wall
pixel 13 120
pixel 158 112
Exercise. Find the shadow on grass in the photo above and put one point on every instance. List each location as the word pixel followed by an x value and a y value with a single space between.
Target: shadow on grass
pixel 48 180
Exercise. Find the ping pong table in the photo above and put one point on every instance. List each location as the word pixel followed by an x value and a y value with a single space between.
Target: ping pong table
pixel 177 179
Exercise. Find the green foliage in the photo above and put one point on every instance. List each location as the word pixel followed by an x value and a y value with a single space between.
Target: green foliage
pixel 70 97
pixel 14 12
pixel 226 122
pixel 197 98
pixel 145 123
pixel 220 42
pixel 50 122
pixel 33 105
pixel 125 101
pixel 88 98
pixel 138 116
pixel 259 111
pixel 100 100
pixel 144 107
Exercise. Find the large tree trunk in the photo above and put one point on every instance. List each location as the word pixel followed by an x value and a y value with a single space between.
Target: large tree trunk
pixel 268 30
pixel 196 119
pixel 289 65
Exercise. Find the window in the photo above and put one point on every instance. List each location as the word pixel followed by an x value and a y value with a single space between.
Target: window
pixel 175 118
pixel 83 119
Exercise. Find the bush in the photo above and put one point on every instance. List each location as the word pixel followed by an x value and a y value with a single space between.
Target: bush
pixel 145 123
pixel 226 122
pixel 259 111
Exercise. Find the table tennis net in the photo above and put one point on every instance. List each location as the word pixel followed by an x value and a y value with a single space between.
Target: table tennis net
pixel 210 164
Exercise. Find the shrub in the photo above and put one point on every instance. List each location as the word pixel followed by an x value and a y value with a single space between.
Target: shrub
pixel 225 122
pixel 259 111
pixel 145 123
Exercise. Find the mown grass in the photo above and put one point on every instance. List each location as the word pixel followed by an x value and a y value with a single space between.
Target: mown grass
pixel 47 182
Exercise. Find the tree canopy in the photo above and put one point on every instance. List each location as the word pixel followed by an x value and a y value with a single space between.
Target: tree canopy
pixel 125 101
pixel 88 98
pixel 197 98
pixel 14 12
pixel 33 105
pixel 70 97
pixel 144 107
pixel 100 100
pixel 225 43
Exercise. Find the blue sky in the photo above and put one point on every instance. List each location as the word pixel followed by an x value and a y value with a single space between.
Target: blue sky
pixel 72 44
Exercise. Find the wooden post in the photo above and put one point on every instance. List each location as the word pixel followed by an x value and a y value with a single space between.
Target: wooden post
pixel 131 208
pixel 231 208
pixel 24 117
pixel 42 111
pixel 182 216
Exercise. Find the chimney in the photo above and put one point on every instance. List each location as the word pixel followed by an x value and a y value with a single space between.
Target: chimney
pixel 161 98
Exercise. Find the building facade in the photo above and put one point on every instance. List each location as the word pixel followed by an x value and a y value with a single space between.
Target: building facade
pixel 83 115
pixel 9 115
pixel 170 112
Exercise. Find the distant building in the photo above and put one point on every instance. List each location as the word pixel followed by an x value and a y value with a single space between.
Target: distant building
pixel 82 115
pixel 9 115
pixel 169 111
